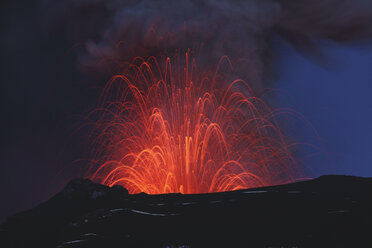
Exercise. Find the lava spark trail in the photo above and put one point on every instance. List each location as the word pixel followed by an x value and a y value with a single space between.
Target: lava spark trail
pixel 168 127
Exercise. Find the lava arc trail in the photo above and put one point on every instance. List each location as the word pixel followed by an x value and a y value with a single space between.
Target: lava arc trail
pixel 167 127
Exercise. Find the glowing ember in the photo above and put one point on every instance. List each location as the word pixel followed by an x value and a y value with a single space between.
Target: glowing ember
pixel 174 129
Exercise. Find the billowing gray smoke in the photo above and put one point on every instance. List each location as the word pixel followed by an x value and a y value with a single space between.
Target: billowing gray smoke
pixel 114 31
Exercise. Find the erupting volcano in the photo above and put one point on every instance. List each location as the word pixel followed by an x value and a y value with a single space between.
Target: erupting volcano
pixel 166 128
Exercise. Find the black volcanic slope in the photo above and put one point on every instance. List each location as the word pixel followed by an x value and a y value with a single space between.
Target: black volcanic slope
pixel 330 211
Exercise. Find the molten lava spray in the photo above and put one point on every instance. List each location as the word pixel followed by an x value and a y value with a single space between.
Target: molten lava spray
pixel 168 127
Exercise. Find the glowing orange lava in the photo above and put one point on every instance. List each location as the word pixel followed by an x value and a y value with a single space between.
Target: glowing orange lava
pixel 175 129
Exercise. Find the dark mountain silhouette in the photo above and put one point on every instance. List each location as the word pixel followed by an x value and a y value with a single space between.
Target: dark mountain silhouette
pixel 330 211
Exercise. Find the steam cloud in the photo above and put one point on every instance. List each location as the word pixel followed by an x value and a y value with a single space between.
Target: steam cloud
pixel 115 31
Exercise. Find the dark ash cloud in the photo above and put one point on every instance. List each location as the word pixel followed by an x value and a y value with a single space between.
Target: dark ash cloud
pixel 116 31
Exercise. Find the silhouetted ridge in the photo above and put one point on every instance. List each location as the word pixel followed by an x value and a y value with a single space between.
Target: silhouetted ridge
pixel 329 211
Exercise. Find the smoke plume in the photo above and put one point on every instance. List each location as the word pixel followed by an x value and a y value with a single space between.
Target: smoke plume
pixel 114 31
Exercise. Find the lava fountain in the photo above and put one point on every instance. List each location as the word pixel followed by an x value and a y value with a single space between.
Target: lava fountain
pixel 168 127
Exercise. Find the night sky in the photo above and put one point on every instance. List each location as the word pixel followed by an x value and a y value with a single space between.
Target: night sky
pixel 44 97
pixel 336 99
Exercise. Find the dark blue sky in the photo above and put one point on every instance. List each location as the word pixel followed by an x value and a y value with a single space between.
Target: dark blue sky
pixel 335 97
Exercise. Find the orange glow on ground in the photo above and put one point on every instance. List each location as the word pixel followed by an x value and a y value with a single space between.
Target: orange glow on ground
pixel 166 128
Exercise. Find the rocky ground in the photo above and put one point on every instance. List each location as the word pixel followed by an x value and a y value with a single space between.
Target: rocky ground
pixel 330 211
